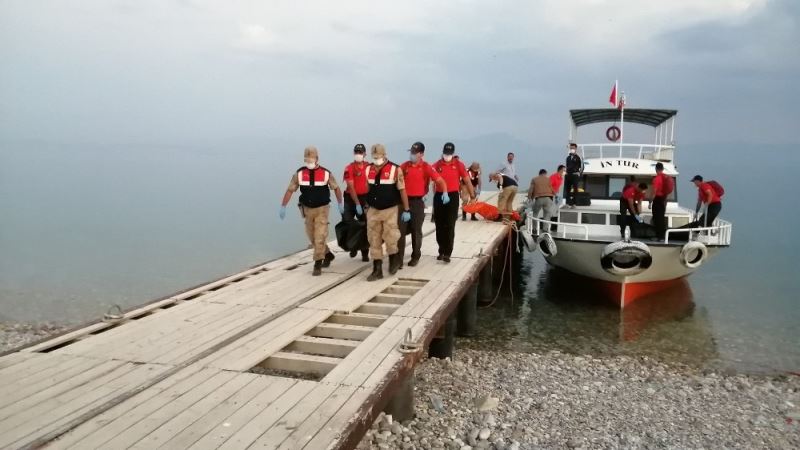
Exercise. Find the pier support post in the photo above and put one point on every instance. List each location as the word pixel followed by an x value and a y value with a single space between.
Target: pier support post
pixel 485 283
pixel 442 346
pixel 468 312
pixel 401 405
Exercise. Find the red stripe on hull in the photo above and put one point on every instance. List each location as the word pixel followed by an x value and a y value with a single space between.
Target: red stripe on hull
pixel 623 294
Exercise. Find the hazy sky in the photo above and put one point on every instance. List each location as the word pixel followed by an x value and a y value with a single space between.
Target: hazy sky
pixel 207 71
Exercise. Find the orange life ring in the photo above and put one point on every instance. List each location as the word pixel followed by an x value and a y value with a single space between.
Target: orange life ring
pixel 613 133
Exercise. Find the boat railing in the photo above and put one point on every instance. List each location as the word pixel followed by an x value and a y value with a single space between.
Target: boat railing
pixel 635 151
pixel 534 223
pixel 719 233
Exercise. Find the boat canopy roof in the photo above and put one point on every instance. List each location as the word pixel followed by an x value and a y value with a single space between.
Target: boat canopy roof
pixel 651 117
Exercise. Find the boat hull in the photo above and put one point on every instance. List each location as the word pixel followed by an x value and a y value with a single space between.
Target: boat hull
pixel 584 258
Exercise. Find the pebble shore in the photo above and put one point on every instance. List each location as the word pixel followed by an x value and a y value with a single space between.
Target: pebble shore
pixel 13 335
pixel 505 400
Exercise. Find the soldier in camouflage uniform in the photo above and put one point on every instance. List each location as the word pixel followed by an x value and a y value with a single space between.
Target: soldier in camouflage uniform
pixel 386 192
pixel 315 183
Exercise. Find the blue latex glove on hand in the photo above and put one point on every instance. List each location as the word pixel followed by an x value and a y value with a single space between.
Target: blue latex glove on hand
pixel 638 218
pixel 425 199
pixel 359 210
pixel 341 208
pixel 282 212
pixel 445 198
pixel 406 216
pixel 477 192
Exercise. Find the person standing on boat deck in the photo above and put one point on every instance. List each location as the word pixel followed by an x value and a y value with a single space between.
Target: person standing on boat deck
pixel 445 200
pixel 417 175
pixel 574 166
pixel 507 168
pixel 315 183
pixel 556 180
pixel 356 193
pixel 386 191
pixel 508 190
pixel 662 187
pixel 541 192
pixel 706 195
pixel 474 172
pixel 630 202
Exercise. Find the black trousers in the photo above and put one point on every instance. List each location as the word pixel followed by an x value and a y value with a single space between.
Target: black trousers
pixel 412 227
pixel 445 217
pixel 350 213
pixel 571 181
pixel 624 219
pixel 711 212
pixel 659 216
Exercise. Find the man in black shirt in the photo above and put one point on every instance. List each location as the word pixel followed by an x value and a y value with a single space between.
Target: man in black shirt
pixel 573 176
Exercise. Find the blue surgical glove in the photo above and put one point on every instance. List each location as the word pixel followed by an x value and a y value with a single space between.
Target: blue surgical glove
pixel 445 198
pixel 406 216
pixel 638 218
pixel 282 212
pixel 341 208
pixel 425 199
pixel 477 192
pixel 359 210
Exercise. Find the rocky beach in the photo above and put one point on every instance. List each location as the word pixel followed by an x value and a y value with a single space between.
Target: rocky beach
pixel 13 334
pixel 485 399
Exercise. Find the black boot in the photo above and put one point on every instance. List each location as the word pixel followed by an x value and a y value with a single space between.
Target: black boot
pixel 328 258
pixel 394 263
pixel 463 215
pixel 377 270
pixel 474 218
pixel 364 255
pixel 413 261
pixel 353 253
pixel 317 268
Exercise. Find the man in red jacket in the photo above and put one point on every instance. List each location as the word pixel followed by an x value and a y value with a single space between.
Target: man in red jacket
pixel 663 185
pixel 445 201
pixel 355 197
pixel 706 195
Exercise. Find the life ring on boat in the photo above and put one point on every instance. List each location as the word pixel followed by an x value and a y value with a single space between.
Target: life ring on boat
pixel 527 240
pixel 693 254
pixel 626 258
pixel 613 133
pixel 546 244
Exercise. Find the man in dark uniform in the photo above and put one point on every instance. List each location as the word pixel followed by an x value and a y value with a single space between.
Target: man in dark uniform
pixel 445 201
pixel 417 174
pixel 573 176
pixel 356 193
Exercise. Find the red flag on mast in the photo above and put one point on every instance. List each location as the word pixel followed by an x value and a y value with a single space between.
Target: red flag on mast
pixel 613 98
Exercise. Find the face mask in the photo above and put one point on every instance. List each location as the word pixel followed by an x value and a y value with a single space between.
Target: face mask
pixel 413 158
pixel 447 158
pixel 572 151
pixel 358 157
pixel 378 161
pixel 311 165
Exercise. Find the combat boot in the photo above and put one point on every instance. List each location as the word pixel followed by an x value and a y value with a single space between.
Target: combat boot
pixel 364 256
pixel 328 258
pixel 317 268
pixel 394 263
pixel 377 270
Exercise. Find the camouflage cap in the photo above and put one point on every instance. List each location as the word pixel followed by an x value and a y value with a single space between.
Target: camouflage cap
pixel 311 152
pixel 378 151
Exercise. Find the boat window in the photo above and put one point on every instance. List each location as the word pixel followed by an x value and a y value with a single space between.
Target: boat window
pixel 595 185
pixel 679 221
pixel 593 218
pixel 569 217
pixel 615 186
pixel 613 219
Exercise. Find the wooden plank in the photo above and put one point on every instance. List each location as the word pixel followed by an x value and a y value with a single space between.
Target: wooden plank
pixel 303 433
pixel 12 359
pixel 339 331
pixel 366 320
pixel 331 432
pixel 338 348
pixel 405 290
pixel 298 414
pixel 397 299
pixel 148 422
pixel 248 351
pixel 173 425
pixel 266 417
pixel 296 362
pixel 219 414
pixel 342 298
pixel 385 309
pixel 48 416
pixel 109 421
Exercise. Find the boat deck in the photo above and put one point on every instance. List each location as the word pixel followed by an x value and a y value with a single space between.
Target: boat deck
pixel 270 357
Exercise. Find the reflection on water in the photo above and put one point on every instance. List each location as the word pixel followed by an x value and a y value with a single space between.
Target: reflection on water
pixel 552 309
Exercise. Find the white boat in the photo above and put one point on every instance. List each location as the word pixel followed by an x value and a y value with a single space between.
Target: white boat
pixel 587 241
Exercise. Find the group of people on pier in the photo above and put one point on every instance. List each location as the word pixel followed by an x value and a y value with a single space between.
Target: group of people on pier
pixel 375 193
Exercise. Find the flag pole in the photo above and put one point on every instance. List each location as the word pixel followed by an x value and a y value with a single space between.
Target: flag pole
pixel 621 122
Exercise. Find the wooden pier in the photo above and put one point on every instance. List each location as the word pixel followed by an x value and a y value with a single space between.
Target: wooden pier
pixel 267 358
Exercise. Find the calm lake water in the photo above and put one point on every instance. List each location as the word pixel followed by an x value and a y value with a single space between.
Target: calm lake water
pixel 86 227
